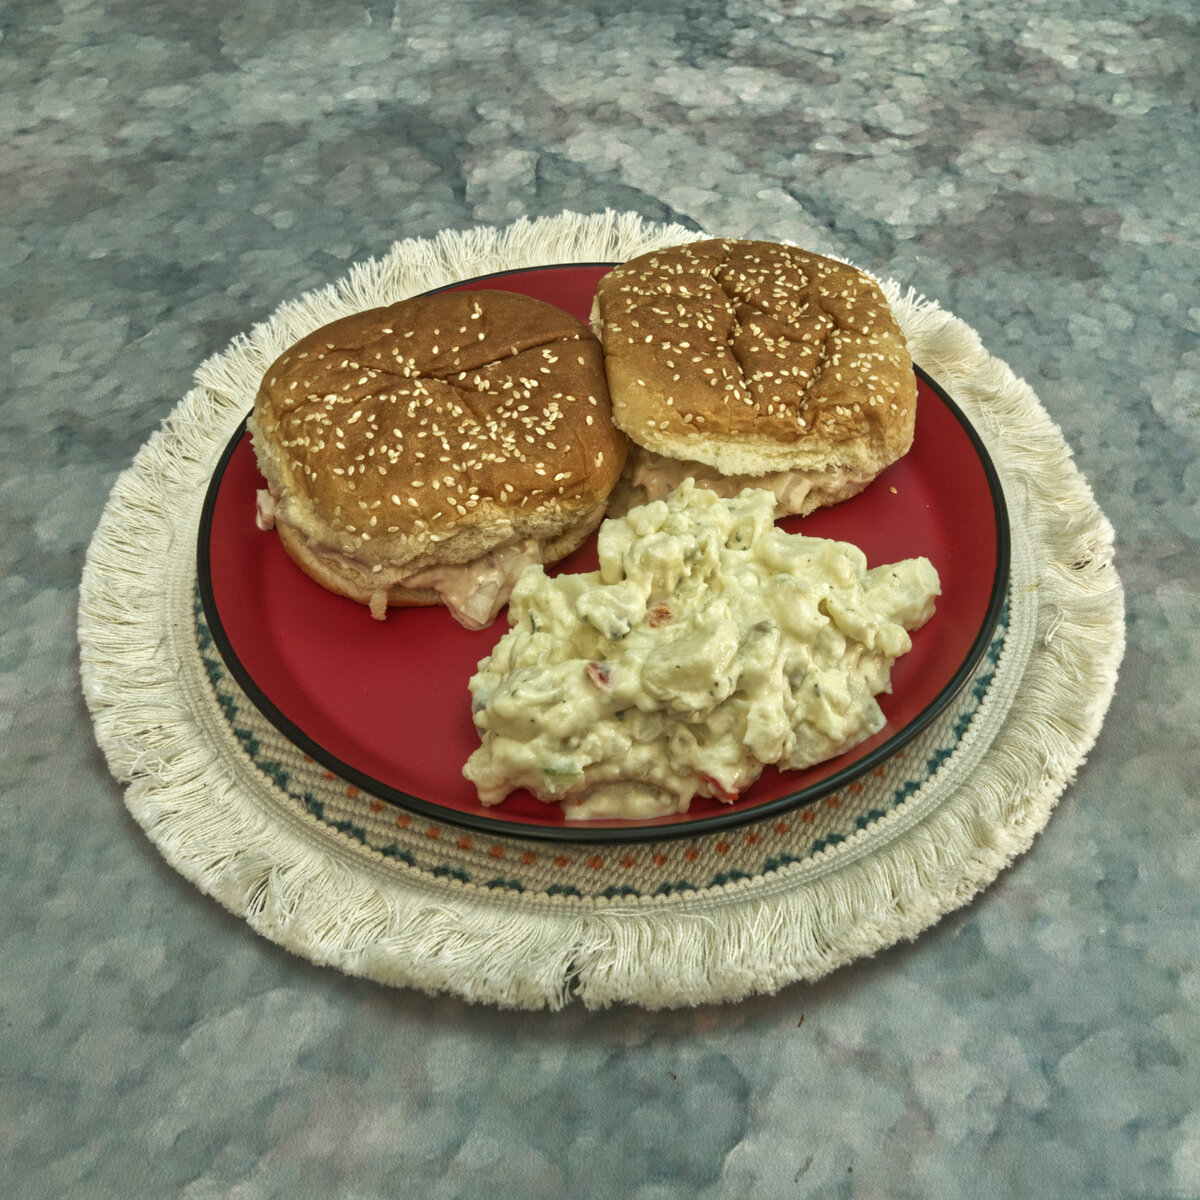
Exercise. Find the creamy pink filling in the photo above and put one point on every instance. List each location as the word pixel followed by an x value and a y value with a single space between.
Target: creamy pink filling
pixel 264 516
pixel 659 476
pixel 474 592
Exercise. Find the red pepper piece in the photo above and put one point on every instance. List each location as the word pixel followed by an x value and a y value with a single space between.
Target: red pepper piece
pixel 659 614
pixel 722 793
pixel 600 674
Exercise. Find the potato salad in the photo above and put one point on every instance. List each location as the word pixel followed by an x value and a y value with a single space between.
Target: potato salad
pixel 708 644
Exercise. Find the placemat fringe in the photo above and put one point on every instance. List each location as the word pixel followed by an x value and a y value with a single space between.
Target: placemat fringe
pixel 329 897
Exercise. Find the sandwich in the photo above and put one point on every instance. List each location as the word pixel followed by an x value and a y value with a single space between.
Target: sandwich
pixel 753 364
pixel 426 452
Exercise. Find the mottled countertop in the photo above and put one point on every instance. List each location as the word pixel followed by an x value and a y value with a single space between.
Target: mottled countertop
pixel 171 172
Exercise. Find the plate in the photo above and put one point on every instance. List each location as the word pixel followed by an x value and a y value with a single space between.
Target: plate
pixel 384 704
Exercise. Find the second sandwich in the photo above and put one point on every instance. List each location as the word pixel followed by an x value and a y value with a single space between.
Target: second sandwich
pixel 754 364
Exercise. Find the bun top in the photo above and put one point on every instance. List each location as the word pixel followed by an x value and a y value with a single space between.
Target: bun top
pixel 478 412
pixel 754 356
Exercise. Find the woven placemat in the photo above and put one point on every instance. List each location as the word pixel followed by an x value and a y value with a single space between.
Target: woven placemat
pixel 347 880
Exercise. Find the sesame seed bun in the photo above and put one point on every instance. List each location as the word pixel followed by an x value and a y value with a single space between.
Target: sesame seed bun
pixel 752 359
pixel 426 451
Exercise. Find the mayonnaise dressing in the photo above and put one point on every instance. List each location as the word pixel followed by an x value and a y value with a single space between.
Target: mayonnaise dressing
pixel 708 644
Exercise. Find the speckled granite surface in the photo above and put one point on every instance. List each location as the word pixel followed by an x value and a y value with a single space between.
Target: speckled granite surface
pixel 173 171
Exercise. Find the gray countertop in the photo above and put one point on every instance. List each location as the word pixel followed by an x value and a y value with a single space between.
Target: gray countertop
pixel 172 172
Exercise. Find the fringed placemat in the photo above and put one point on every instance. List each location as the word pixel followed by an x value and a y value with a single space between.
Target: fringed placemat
pixel 344 879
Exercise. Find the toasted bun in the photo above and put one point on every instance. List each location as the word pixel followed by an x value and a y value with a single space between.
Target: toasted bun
pixel 756 357
pixel 434 432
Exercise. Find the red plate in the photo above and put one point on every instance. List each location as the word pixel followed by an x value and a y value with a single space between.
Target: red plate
pixel 384 704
